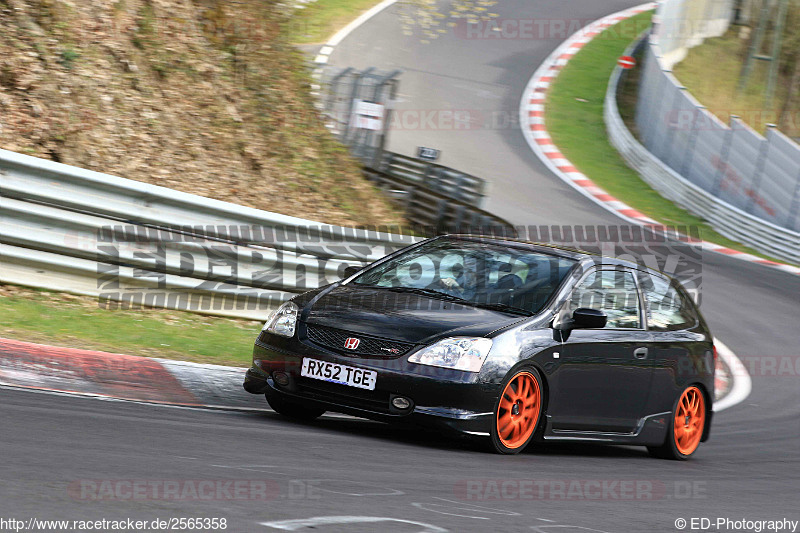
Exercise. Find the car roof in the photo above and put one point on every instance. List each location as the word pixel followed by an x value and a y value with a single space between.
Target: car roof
pixel 584 257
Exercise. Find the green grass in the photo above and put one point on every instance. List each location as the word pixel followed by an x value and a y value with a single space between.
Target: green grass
pixel 76 321
pixel 574 116
pixel 321 19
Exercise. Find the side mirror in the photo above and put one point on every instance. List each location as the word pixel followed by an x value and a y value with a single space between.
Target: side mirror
pixel 583 317
pixel 349 271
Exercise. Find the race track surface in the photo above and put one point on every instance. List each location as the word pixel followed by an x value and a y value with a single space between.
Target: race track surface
pixel 339 466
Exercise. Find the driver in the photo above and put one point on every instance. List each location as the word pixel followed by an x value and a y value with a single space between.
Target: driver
pixel 464 284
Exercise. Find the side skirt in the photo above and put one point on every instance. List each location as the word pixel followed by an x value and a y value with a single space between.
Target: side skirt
pixel 650 431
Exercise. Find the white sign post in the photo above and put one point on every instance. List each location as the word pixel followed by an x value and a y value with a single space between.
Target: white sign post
pixel 368 115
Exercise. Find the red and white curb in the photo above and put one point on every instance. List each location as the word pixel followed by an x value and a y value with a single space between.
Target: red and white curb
pixel 532 122
pixel 733 384
pixel 124 377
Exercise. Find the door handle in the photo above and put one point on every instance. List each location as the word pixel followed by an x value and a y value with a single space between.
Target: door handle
pixel 640 353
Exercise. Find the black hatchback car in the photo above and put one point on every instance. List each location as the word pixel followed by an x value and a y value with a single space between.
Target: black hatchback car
pixel 498 338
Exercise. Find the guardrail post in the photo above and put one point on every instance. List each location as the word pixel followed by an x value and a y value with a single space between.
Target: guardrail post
pixel 667 150
pixel 687 162
pixel 441 215
pixel 791 220
pixel 723 160
pixel 662 87
pixel 758 174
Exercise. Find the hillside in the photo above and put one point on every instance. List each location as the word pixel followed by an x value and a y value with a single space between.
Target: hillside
pixel 203 96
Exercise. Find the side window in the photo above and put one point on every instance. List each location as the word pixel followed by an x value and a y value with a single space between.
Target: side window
pixel 613 292
pixel 667 310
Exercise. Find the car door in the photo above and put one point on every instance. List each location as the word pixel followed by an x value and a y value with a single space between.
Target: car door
pixel 681 347
pixel 603 379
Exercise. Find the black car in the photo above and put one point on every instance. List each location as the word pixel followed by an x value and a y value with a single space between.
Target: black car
pixel 498 338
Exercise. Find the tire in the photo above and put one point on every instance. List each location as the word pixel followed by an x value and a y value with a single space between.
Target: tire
pixel 518 412
pixel 686 426
pixel 290 409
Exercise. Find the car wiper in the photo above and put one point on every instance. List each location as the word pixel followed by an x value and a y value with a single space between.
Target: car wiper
pixel 432 293
pixel 503 307
pixel 444 296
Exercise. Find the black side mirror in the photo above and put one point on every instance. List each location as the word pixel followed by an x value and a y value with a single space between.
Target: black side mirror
pixel 349 271
pixel 583 317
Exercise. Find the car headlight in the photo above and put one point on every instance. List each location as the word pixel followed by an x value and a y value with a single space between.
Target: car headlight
pixel 458 353
pixel 283 320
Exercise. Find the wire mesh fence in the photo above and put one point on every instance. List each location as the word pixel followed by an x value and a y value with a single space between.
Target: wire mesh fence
pixel 358 106
pixel 346 92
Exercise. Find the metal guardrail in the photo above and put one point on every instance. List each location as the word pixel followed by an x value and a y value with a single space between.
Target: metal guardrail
pixel 447 181
pixel 71 229
pixel 436 209
pixel 137 245
pixel 730 221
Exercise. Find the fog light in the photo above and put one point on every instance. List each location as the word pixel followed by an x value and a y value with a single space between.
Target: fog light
pixel 401 403
pixel 281 378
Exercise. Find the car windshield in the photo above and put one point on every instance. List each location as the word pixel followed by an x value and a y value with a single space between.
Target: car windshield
pixel 479 273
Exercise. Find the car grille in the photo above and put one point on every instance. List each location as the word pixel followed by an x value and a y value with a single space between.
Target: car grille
pixel 376 401
pixel 368 346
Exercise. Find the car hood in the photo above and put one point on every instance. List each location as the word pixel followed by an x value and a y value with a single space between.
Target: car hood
pixel 401 316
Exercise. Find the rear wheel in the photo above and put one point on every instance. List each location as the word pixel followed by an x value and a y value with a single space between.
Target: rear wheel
pixel 517 412
pixel 292 409
pixel 686 429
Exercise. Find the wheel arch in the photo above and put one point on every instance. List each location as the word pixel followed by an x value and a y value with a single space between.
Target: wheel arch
pixel 709 406
pixel 545 385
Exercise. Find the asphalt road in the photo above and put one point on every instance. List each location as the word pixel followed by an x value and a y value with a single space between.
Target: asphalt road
pixel 750 469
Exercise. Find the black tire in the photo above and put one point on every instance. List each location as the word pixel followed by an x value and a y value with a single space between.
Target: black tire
pixel 512 441
pixel 291 409
pixel 670 449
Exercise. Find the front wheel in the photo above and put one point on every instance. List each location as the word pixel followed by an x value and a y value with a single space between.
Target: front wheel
pixel 517 412
pixel 686 429
pixel 291 409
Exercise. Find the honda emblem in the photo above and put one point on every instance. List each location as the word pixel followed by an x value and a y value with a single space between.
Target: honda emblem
pixel 352 343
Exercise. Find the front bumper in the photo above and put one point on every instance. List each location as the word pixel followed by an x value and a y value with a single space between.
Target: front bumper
pixel 440 398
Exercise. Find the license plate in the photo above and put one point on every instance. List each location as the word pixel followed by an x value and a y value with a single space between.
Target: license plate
pixel 336 373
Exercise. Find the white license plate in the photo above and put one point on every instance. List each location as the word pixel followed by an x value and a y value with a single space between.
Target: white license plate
pixel 336 373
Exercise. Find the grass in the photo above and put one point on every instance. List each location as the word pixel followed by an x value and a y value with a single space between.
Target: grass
pixel 711 73
pixel 321 19
pixel 574 116
pixel 76 321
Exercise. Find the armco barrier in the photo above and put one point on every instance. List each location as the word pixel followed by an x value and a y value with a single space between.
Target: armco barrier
pixel 134 244
pixel 729 220
pixel 451 183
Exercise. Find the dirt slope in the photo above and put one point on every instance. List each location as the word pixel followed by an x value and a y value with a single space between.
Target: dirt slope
pixel 203 96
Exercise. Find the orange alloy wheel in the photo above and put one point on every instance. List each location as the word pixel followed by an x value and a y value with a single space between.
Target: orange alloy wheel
pixel 518 412
pixel 690 418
